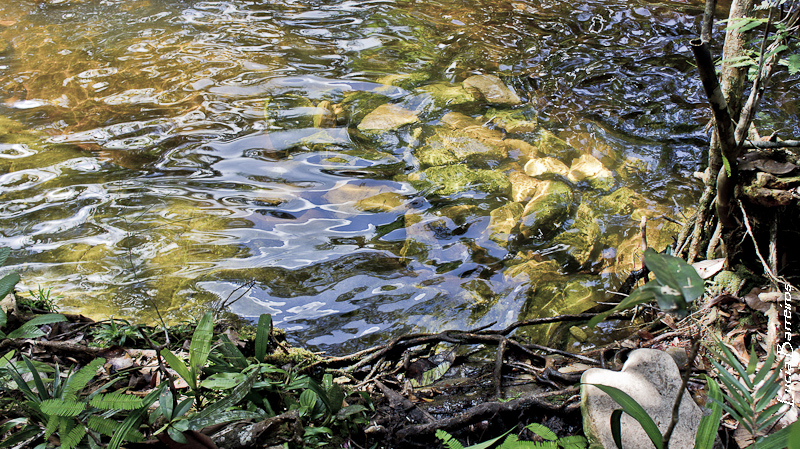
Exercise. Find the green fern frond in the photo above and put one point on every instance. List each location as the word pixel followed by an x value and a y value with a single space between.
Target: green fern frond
pixel 573 442
pixel 73 437
pixel 79 380
pixel 542 430
pixel 116 401
pixel 109 427
pixel 52 424
pixel 62 407
pixel 448 440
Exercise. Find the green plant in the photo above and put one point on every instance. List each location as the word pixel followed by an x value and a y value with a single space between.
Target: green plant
pixel 750 394
pixel 748 403
pixel 111 333
pixel 199 350
pixel 64 407
pixel 43 299
pixel 676 284
pixel 551 440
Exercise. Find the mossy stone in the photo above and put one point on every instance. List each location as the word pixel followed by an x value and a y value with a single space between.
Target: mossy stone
pixel 513 121
pixel 450 147
pixel 406 81
pixel 583 237
pixel 547 211
pixel 503 221
pixel 447 94
pixel 451 179
pixel 588 168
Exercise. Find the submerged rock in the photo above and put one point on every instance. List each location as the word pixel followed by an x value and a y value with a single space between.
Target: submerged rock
pixel 406 81
pixel 491 89
pixel 549 144
pixel 653 380
pixel 447 94
pixel 513 121
pixel 450 147
pixel 523 187
pixel 473 128
pixel 583 237
pixel 387 117
pixel 546 165
pixel 589 168
pixel 547 210
pixel 458 178
pixel 503 222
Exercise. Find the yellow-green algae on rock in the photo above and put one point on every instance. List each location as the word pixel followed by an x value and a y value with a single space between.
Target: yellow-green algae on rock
pixel 458 178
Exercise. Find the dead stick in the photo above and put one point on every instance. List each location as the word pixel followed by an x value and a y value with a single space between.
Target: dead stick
pixel 677 406
pixel 498 368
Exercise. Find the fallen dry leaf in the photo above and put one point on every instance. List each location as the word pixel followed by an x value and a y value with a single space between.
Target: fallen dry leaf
pixel 754 301
pixel 708 268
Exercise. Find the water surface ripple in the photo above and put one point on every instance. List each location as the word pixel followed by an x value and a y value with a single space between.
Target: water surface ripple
pixel 166 152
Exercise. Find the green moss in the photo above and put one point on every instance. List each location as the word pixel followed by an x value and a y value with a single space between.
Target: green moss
pixel 513 121
pixel 447 94
pixel 406 81
pixel 458 178
pixel 294 356
pixel 547 211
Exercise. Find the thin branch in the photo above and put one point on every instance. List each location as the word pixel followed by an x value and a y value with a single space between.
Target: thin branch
pixel 678 399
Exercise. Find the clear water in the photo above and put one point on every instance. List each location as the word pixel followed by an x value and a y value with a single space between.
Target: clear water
pixel 163 153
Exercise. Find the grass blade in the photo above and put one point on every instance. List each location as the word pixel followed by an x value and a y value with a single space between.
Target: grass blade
pixel 632 408
pixel 201 345
pixel 709 424
pixel 262 336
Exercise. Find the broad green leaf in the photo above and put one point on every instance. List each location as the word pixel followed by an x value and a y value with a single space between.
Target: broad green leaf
pixel 8 283
pixel 183 407
pixel 676 273
pixel 20 436
pixel 31 325
pixel 4 253
pixel 632 408
pixel 201 345
pixel 350 410
pixel 3 318
pixel 237 394
pixel 166 403
pixel 709 424
pixel 573 442
pixel 223 381
pixel 223 417
pixel 175 363
pixel 262 336
pixel 231 353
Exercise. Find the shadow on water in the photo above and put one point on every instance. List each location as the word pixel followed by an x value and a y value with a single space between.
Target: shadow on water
pixel 176 150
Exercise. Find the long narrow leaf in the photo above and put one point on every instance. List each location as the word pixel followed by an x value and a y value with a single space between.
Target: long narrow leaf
pixel 132 421
pixel 632 408
pixel 765 368
pixel 639 296
pixel 788 437
pixel 616 427
pixel 734 362
pixel 709 424
pixel 24 434
pixel 224 417
pixel 262 336
pixel 175 363
pixel 37 379
pixel 201 344
pixel 237 394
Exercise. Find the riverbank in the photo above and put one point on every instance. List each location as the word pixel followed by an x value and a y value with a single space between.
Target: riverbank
pixel 228 384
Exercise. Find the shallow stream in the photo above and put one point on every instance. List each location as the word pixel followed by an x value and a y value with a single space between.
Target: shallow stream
pixel 182 154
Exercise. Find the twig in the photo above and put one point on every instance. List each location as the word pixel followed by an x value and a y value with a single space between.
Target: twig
pixel 764 144
pixel 685 380
pixel 775 281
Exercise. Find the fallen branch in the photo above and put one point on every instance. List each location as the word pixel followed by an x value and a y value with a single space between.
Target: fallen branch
pixel 487 410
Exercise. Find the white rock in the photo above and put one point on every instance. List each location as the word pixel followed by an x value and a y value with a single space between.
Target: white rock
pixel 652 379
